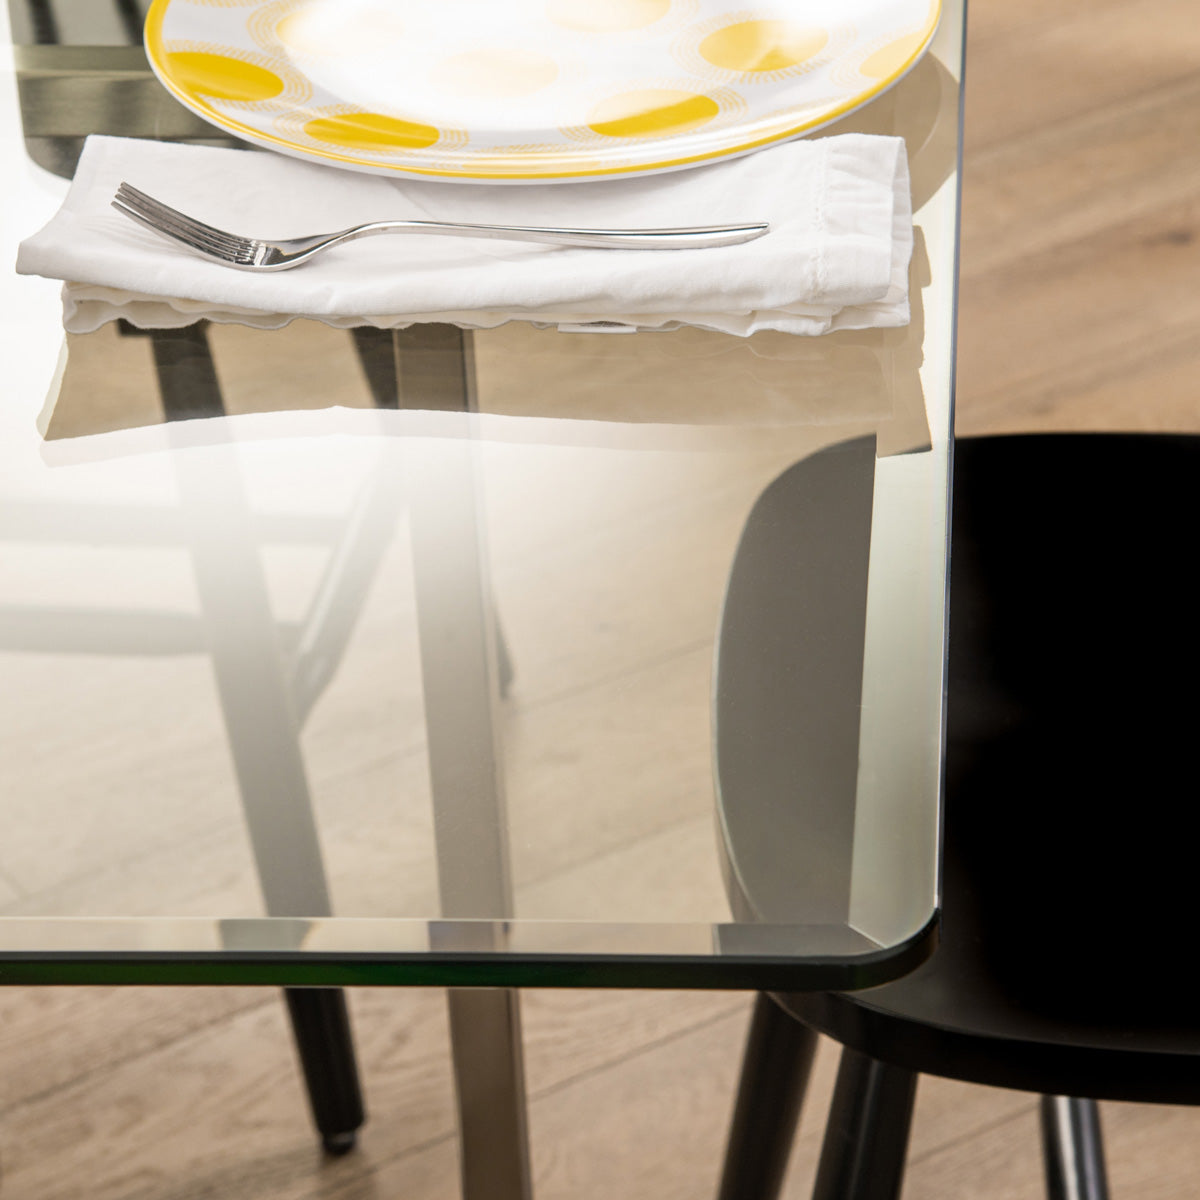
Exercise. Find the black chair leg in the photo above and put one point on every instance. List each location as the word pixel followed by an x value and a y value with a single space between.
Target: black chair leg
pixel 321 1024
pixel 775 1070
pixel 1073 1149
pixel 866 1140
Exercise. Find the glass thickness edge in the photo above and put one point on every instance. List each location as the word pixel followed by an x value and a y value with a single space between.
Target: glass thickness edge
pixel 299 968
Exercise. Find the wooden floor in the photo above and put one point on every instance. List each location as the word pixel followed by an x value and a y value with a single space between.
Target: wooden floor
pixel 1080 308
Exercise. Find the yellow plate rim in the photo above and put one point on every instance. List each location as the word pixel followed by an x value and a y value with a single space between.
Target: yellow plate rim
pixel 156 55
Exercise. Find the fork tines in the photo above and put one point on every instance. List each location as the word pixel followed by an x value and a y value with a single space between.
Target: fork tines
pixel 179 227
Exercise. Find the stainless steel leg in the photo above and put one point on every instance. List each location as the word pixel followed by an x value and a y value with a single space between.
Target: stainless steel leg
pixel 461 675
pixel 485 1031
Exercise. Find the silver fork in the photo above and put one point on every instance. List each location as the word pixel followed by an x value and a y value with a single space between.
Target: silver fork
pixel 258 254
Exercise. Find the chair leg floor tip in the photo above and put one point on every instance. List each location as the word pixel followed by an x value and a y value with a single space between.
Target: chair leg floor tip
pixel 337 1144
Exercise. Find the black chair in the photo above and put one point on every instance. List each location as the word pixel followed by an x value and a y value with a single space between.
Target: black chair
pixel 1071 831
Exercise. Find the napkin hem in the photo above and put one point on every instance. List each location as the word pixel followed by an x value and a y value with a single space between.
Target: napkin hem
pixel 87 307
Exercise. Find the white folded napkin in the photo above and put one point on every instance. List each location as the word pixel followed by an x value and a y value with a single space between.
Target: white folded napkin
pixel 836 257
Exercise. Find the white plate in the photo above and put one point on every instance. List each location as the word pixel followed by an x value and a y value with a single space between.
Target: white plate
pixel 529 90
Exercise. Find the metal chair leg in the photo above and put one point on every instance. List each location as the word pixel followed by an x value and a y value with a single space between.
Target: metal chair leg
pixel 44 22
pixel 775 1070
pixel 866 1140
pixel 1073 1149
pixel 132 20
pixel 321 1025
pixel 260 720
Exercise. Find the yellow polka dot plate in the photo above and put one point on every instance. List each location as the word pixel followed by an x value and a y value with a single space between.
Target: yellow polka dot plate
pixel 506 91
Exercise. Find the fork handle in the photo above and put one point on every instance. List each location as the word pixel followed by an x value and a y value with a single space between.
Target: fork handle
pixel 693 238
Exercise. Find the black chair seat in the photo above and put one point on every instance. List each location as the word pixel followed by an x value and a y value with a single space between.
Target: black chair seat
pixel 953 1017
pixel 1072 821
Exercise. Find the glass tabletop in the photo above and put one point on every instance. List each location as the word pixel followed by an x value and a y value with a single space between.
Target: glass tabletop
pixel 504 657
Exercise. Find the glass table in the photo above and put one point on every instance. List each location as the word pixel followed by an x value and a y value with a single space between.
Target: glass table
pixel 480 660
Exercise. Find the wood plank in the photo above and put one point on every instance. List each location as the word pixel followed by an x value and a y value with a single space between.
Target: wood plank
pixel 52 1037
pixel 221 1113
pixel 78 732
pixel 1109 309
pixel 1028 197
pixel 223 1110
pixel 673 873
pixel 1086 57
pixel 1152 1150
pixel 631 755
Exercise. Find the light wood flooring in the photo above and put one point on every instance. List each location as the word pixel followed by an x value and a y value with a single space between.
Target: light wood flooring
pixel 1080 308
